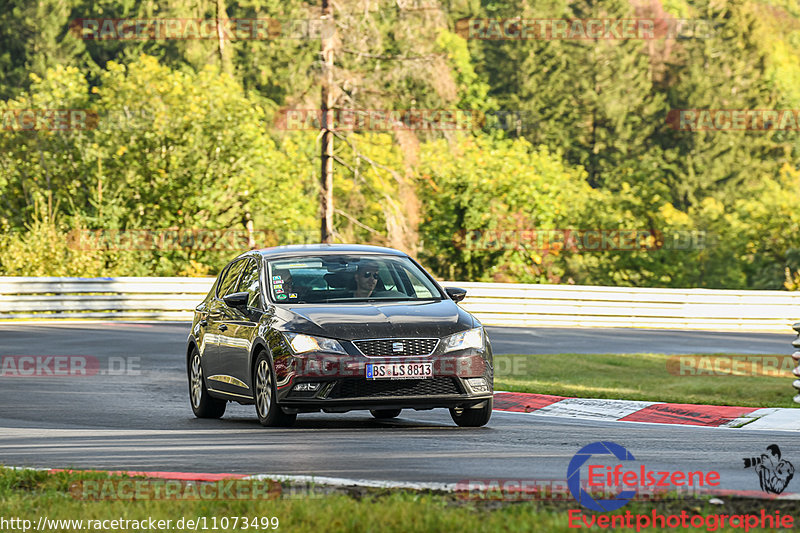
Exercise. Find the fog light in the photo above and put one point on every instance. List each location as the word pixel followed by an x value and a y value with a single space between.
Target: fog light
pixel 306 387
pixel 478 384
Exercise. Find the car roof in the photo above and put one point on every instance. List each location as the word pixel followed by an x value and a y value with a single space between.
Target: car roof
pixel 294 250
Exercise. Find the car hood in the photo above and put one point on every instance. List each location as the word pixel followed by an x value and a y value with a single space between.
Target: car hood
pixel 375 320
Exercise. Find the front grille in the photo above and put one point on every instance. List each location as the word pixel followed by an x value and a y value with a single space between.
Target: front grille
pixel 367 388
pixel 387 347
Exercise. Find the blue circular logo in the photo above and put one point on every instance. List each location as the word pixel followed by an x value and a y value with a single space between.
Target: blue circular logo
pixel 574 476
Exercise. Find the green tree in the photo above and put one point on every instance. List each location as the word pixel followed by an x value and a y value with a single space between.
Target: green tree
pixel 34 36
pixel 489 205
pixel 594 99
pixel 726 71
pixel 171 150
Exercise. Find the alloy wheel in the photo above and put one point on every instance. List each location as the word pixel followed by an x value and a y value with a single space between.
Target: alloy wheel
pixel 196 380
pixel 263 389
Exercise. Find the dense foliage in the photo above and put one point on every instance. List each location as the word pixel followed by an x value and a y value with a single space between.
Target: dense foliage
pixel 184 157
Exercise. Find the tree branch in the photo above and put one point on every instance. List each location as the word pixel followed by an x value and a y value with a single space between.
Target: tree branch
pixel 356 222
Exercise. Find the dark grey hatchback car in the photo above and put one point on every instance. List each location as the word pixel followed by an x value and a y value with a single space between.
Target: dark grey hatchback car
pixel 336 328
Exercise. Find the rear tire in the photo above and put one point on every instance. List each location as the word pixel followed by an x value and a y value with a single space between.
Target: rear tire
pixel 473 418
pixel 265 395
pixel 203 404
pixel 385 413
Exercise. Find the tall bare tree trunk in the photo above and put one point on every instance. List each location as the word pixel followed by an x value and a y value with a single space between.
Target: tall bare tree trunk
pixel 222 20
pixel 326 175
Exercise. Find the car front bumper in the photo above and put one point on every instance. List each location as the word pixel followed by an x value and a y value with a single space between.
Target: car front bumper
pixel 340 384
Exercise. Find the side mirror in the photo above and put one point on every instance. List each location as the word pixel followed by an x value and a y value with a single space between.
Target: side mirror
pixel 455 293
pixel 237 300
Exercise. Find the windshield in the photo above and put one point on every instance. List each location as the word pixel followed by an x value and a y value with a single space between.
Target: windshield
pixel 348 278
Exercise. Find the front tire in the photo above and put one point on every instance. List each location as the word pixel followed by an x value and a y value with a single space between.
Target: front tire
pixel 385 413
pixel 203 404
pixel 473 418
pixel 265 395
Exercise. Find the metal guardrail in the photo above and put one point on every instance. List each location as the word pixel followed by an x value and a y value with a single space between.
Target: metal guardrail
pixel 495 304
pixel 796 357
pixel 127 298
pixel 508 304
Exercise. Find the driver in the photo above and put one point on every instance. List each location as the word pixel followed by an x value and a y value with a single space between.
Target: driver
pixel 366 278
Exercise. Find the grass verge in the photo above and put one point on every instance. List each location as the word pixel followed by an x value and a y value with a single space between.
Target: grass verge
pixel 30 495
pixel 652 377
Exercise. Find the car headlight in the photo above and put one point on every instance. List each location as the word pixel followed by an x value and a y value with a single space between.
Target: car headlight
pixel 472 338
pixel 301 343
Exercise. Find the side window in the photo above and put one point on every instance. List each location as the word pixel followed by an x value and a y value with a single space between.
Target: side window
pixel 229 279
pixel 249 283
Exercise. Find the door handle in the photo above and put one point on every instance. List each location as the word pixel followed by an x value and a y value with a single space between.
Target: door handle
pixel 223 327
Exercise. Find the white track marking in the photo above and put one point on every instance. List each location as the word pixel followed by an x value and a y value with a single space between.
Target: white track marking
pixel 593 409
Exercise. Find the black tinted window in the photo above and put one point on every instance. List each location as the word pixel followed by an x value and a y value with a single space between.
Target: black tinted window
pixel 229 278
pixel 249 284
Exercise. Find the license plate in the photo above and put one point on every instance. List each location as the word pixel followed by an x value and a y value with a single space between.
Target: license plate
pixel 399 370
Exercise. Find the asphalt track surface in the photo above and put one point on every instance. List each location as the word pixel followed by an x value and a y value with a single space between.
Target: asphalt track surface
pixel 621 340
pixel 141 419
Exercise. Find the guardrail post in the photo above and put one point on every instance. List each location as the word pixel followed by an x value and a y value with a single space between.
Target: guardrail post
pixel 796 357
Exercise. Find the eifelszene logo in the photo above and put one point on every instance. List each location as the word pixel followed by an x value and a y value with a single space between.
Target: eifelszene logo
pixel 624 485
pixel 574 476
pixel 774 473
